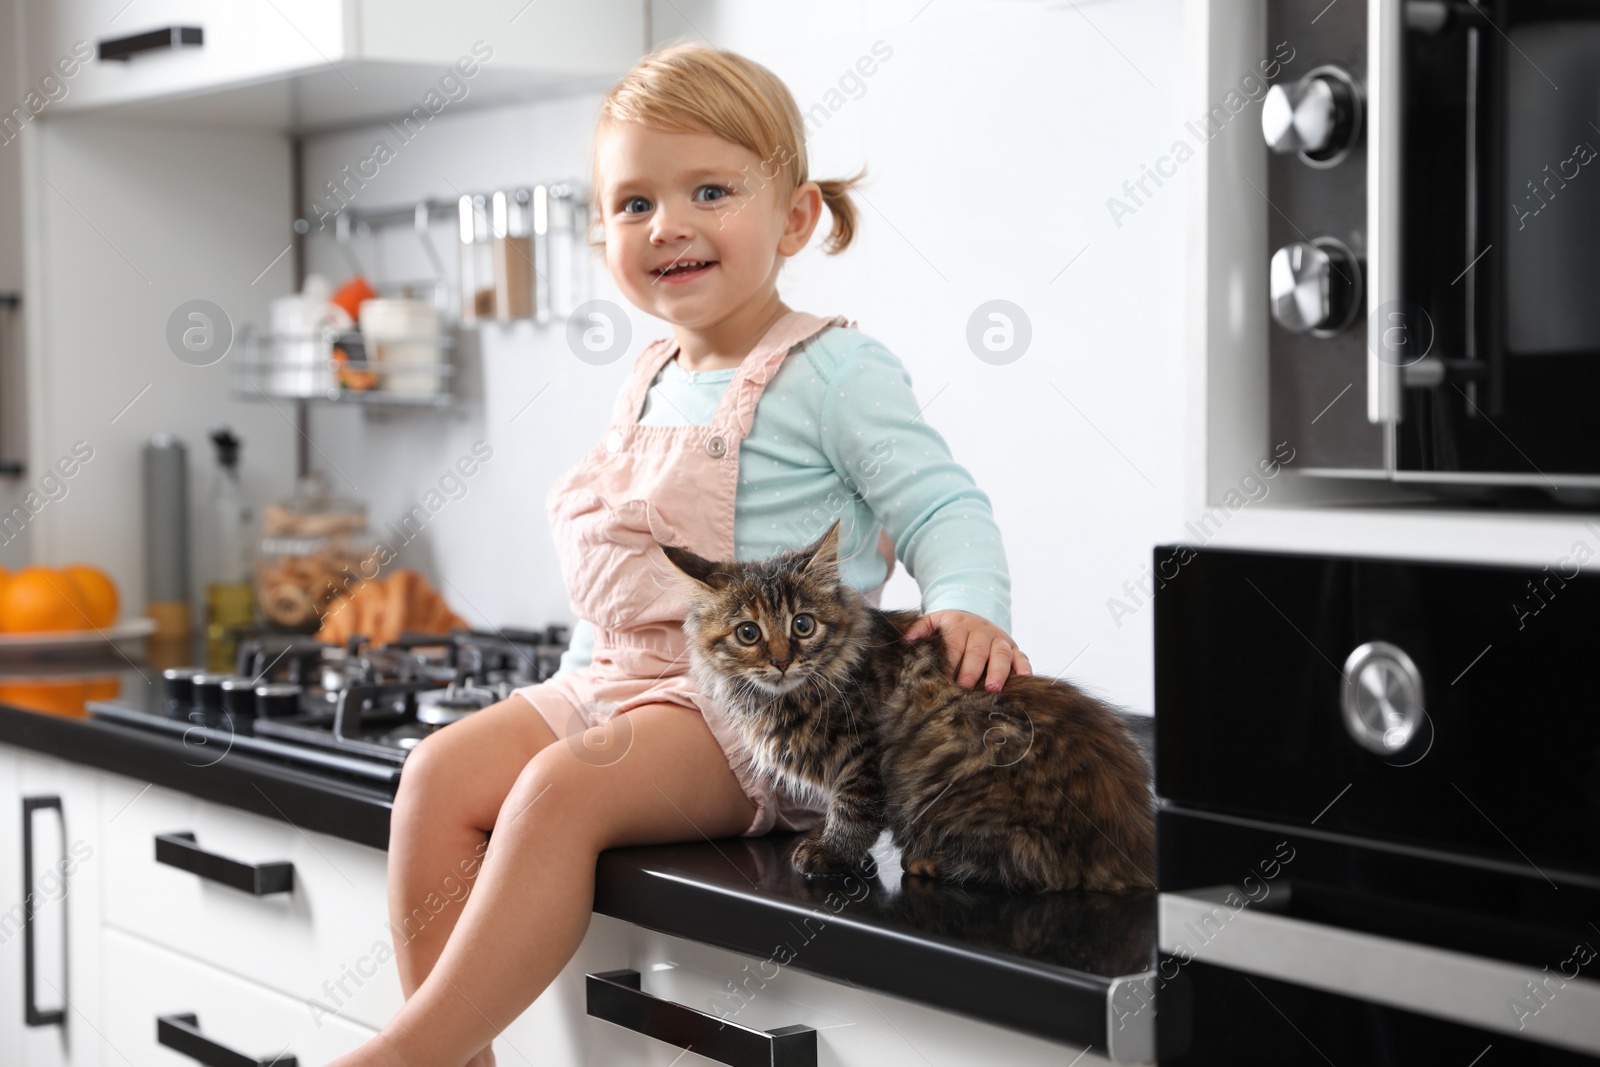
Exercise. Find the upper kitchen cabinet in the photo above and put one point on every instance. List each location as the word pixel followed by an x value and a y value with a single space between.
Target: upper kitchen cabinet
pixel 305 65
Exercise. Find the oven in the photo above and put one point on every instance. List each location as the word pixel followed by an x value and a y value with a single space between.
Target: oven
pixel 1435 252
pixel 1379 826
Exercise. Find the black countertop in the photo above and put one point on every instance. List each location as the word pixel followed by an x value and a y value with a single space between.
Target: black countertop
pixel 1046 964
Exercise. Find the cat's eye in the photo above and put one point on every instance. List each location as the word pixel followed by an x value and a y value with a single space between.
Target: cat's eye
pixel 748 633
pixel 804 625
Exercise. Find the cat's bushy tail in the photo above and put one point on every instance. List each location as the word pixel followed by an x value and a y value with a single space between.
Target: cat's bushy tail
pixel 1106 796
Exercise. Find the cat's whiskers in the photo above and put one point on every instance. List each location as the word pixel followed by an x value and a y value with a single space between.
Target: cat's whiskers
pixel 845 704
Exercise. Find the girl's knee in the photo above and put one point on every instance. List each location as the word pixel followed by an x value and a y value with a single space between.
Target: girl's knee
pixel 427 768
pixel 558 787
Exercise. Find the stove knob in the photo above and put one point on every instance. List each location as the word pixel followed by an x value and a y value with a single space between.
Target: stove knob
pixel 1317 116
pixel 277 701
pixel 239 697
pixel 177 685
pixel 1316 287
pixel 208 691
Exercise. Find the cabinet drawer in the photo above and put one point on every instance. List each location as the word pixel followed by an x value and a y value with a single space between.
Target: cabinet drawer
pixel 325 940
pixel 855 1027
pixel 241 43
pixel 145 982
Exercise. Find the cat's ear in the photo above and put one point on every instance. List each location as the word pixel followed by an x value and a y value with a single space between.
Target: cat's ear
pixel 820 559
pixel 701 570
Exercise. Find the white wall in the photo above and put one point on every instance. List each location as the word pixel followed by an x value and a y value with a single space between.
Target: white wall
pixel 13 407
pixel 993 135
pixel 118 248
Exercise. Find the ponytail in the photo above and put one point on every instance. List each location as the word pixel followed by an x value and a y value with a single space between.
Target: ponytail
pixel 836 197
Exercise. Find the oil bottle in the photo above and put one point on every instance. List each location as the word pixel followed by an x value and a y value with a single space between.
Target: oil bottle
pixel 230 601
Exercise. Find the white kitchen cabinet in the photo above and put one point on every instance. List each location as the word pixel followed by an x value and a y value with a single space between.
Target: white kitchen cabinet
pixel 325 942
pixel 308 64
pixel 59 802
pixel 216 1008
pixel 311 971
pixel 856 1027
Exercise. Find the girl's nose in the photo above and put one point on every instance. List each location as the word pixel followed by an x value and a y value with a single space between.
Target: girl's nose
pixel 670 224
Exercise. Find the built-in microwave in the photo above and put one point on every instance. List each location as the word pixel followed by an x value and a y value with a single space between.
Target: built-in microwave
pixel 1434 238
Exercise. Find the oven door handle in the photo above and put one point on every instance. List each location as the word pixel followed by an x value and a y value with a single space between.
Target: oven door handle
pixel 1476 991
pixel 1385 104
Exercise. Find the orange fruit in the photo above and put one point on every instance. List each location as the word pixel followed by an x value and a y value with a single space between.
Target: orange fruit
pixel 42 599
pixel 98 589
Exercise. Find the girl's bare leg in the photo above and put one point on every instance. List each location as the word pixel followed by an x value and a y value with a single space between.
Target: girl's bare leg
pixel 534 894
pixel 452 789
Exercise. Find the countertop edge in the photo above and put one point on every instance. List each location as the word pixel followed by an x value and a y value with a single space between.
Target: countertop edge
pixel 256 786
pixel 1041 1000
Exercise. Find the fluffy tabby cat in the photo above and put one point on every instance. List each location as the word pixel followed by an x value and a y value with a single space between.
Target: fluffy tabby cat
pixel 1035 787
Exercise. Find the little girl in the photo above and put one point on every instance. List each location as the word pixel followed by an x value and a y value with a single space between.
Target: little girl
pixel 747 432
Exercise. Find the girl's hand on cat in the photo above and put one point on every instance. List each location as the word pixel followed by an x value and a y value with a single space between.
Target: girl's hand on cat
pixel 978 648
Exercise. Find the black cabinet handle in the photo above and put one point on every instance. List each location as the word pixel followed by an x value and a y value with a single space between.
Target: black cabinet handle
pixel 123 49
pixel 181 1033
pixel 30 1002
pixel 8 302
pixel 615 996
pixel 179 850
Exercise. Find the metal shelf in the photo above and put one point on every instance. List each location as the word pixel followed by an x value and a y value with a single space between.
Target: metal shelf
pixel 306 369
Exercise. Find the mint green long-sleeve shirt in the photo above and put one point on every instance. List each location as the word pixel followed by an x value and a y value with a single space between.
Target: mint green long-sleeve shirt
pixel 837 434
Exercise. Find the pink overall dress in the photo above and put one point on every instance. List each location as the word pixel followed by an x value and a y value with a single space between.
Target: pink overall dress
pixel 674 485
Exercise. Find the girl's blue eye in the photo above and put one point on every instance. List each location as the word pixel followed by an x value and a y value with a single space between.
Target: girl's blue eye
pixel 628 203
pixel 719 189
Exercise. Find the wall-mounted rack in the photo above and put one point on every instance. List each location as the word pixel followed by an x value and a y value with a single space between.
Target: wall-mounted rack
pixel 520 256
pixel 343 367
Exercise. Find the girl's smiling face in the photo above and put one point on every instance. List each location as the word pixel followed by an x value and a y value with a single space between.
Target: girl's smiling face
pixel 694 230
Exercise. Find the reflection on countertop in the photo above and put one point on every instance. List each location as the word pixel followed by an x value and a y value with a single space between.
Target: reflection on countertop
pixel 64 686
pixel 1104 934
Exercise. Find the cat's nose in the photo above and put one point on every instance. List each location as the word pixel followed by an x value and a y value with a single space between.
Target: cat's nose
pixel 781 664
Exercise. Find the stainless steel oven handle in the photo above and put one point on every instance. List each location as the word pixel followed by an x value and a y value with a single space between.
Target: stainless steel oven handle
pixel 1472 990
pixel 1385 36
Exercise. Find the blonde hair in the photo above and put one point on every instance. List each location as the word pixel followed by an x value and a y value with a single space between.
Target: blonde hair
pixel 694 88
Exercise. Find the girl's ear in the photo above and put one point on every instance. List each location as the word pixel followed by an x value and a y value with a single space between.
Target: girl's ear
pixel 804 214
pixel 701 570
pixel 820 559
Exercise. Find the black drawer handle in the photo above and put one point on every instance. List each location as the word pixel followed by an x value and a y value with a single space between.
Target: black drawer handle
pixel 31 1012
pixel 615 996
pixel 123 49
pixel 258 879
pixel 181 1033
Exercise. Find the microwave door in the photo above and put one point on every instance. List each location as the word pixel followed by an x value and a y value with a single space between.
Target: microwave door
pixel 1501 227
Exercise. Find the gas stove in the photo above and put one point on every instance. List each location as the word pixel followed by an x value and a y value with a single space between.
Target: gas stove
pixel 357 709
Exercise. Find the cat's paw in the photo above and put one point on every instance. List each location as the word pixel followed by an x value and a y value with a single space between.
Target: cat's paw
pixel 923 866
pixel 813 858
